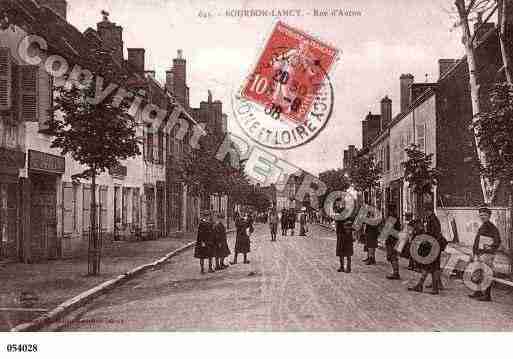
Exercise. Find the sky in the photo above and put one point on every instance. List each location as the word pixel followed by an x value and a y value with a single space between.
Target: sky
pixel 387 39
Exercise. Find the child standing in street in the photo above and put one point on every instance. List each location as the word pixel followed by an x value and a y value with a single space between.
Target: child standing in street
pixel 205 248
pixel 222 250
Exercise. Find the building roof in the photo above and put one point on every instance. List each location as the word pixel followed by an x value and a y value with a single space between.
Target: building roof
pixel 76 47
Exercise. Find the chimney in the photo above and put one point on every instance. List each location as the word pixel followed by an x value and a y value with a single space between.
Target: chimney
pixel 112 36
pixel 445 65
pixel 60 7
pixel 136 59
pixel 365 130
pixel 386 112
pixel 406 81
pixel 180 78
pixel 169 81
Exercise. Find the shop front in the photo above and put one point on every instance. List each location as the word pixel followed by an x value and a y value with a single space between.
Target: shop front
pixel 10 163
pixel 44 173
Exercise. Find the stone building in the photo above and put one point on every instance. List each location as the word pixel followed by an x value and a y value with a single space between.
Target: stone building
pixel 436 117
pixel 43 212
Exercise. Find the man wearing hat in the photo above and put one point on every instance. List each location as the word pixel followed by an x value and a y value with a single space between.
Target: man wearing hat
pixel 485 252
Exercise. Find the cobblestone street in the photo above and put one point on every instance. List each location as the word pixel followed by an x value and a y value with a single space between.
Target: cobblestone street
pixel 291 284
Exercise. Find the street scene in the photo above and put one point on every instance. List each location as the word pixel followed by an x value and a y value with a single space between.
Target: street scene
pixel 241 166
pixel 289 285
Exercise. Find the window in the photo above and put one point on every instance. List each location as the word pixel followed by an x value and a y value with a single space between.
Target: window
pixel 124 214
pixel 160 147
pixel 150 205
pixel 5 79
pixel 135 206
pixel 28 93
pixel 86 208
pixel 387 157
pixel 149 146
pixel 68 208
pixel 103 207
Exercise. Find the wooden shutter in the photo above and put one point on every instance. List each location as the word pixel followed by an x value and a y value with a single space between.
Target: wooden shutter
pixel 135 206
pixel 5 79
pixel 28 93
pixel 45 100
pixel 103 207
pixel 68 208
pixel 86 208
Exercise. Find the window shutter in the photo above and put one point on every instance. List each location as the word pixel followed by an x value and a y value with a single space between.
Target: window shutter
pixel 68 206
pixel 28 93
pixel 103 207
pixel 86 208
pixel 5 79
pixel 44 101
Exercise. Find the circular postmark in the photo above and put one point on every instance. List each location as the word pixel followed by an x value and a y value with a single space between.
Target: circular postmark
pixel 269 127
pixel 287 99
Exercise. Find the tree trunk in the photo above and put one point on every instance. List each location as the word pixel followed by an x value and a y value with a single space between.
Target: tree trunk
pixel 505 18
pixel 510 242
pixel 94 262
pixel 488 189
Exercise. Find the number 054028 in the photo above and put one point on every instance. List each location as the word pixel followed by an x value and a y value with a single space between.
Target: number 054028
pixel 22 348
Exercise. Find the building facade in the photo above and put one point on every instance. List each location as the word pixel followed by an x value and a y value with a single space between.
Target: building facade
pixel 44 213
pixel 436 117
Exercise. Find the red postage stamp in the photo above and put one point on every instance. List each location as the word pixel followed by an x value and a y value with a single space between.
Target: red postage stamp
pixel 288 75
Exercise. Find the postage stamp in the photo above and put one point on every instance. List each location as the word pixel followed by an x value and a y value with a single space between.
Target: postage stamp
pixel 289 73
pixel 287 98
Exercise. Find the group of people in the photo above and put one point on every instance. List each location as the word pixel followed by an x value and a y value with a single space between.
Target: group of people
pixel 287 219
pixel 428 225
pixel 212 244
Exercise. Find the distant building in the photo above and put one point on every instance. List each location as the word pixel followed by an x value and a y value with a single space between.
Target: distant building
pixel 349 156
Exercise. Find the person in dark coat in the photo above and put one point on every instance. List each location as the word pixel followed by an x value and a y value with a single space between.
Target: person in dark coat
pixel 371 234
pixel 205 242
pixel 432 228
pixel 222 249
pixel 272 218
pixel 292 218
pixel 303 222
pixel 284 221
pixel 486 252
pixel 392 255
pixel 344 238
pixel 244 227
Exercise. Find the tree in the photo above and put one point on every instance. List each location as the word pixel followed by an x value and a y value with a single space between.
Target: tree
pixel 494 132
pixel 97 136
pixel 465 12
pixel 364 173
pixel 420 174
pixel 335 180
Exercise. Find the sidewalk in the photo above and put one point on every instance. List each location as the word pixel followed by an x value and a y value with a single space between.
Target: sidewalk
pixel 51 283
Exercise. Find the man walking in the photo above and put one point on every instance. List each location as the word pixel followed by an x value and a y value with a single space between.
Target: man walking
pixel 272 218
pixel 485 252
pixel 284 220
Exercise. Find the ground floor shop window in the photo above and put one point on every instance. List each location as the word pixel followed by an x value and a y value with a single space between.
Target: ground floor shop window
pixel 8 217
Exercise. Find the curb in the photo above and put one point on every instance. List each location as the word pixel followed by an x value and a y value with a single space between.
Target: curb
pixel 74 303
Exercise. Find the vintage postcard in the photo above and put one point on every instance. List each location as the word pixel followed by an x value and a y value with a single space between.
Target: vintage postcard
pixel 254 166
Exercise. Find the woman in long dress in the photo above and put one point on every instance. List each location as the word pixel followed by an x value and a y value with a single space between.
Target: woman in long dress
pixel 344 238
pixel 244 227
pixel 222 249
pixel 205 242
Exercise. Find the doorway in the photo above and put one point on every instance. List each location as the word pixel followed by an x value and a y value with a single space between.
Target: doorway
pixel 43 216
